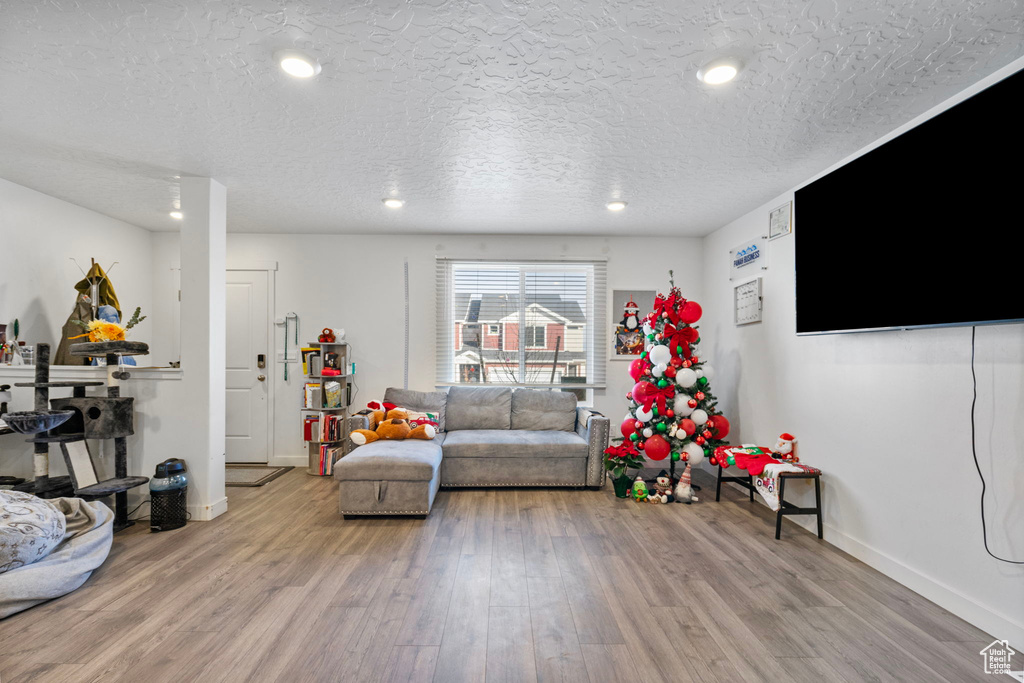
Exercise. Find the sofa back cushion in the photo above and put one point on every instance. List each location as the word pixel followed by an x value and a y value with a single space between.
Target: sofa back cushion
pixel 543 410
pixel 478 408
pixel 423 401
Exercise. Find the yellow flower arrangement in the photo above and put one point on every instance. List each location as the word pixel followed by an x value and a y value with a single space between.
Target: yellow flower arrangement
pixel 100 331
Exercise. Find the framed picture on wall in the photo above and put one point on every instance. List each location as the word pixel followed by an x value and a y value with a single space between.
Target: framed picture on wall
pixel 629 306
pixel 780 221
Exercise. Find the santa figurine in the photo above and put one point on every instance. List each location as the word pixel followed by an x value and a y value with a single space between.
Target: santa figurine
pixel 785 448
pixel 630 319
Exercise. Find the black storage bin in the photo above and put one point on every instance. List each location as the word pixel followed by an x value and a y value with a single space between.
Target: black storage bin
pixel 167 509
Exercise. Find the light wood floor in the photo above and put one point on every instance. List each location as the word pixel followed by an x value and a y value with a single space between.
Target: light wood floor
pixel 502 585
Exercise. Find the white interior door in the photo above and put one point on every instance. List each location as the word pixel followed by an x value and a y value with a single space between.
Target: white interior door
pixel 247 401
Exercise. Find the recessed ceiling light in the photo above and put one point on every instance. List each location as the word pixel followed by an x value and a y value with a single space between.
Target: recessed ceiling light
pixel 719 71
pixel 393 203
pixel 616 205
pixel 298 64
pixel 176 215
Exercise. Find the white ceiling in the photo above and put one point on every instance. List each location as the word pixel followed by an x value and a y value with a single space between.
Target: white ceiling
pixel 493 116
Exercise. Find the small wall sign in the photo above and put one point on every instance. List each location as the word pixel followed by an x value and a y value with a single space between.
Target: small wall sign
pixel 747 257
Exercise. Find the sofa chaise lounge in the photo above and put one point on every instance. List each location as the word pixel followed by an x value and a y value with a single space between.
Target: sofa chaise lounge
pixel 488 436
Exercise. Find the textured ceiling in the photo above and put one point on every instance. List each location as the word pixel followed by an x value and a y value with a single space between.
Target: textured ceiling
pixel 495 116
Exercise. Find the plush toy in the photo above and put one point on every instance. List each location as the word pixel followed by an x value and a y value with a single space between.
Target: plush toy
pixel 663 485
pixel 684 492
pixel 630 320
pixel 785 448
pixel 639 489
pixel 394 426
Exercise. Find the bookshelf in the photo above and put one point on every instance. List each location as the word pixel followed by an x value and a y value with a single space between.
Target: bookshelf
pixel 325 401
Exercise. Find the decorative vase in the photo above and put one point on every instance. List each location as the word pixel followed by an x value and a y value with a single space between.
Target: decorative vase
pixel 622 485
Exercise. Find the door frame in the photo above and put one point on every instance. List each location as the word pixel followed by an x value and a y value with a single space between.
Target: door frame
pixel 270 267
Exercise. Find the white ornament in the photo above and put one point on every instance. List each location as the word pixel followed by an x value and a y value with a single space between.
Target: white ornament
pixel 699 417
pixel 648 329
pixel 680 406
pixel 700 373
pixel 686 378
pixel 648 433
pixel 695 452
pixel 659 370
pixel 660 355
pixel 643 415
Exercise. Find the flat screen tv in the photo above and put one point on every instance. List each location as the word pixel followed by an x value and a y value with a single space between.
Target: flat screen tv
pixel 926 230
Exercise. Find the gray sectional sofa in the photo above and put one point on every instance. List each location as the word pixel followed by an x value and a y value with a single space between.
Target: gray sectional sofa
pixel 489 436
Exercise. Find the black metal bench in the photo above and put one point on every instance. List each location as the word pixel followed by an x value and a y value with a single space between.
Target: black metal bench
pixel 785 508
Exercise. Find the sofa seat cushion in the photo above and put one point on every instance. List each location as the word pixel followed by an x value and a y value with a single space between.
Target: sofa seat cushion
pixel 542 410
pixel 513 443
pixel 388 460
pixel 478 408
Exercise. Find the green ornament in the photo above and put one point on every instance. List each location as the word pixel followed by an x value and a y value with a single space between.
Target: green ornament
pixel 679 349
pixel 634 437
pixel 662 383
pixel 703 381
pixel 643 355
pixel 662 427
pixel 698 341
pixel 650 337
pixel 654 409
pixel 675 456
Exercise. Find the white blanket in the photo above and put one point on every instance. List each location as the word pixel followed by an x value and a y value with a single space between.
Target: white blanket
pixel 86 544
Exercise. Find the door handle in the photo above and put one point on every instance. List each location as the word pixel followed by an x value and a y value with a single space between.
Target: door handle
pixel 262 378
pixel 261 361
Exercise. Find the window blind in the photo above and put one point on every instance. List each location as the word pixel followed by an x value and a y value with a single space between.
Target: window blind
pixel 522 323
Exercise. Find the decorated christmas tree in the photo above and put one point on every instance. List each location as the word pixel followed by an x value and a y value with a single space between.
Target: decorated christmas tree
pixel 672 411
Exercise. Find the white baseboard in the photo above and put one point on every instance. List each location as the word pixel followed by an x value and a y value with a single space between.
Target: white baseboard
pixel 289 461
pixel 204 513
pixel 997 625
pixel 994 623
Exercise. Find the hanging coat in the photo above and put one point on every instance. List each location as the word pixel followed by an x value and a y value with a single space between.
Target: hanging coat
pixel 82 311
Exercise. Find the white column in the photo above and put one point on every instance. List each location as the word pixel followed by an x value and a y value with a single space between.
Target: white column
pixel 203 263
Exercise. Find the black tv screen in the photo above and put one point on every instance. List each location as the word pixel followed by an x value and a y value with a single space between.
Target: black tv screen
pixel 924 230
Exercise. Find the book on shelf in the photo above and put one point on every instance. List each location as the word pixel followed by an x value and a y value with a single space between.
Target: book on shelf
pixel 323 428
pixel 332 394
pixel 312 396
pixel 315 365
pixel 307 351
pixel 328 456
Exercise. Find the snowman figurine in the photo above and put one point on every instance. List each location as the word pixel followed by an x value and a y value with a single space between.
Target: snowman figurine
pixel 630 319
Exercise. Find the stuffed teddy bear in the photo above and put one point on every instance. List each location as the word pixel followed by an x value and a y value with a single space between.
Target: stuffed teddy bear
pixel 393 425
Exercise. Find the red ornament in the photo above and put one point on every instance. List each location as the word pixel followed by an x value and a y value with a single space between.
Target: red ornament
pixel 676 362
pixel 688 426
pixel 706 433
pixel 691 403
pixel 657 447
pixel 639 445
pixel 628 427
pixel 670 372
pixel 690 312
pixel 713 460
pixel 721 427
pixel 699 440
pixel 641 390
pixel 684 456
pixel 694 360
pixel 687 363
pixel 637 369
pixel 629 395
pixel 670 413
pixel 699 396
pixel 639 425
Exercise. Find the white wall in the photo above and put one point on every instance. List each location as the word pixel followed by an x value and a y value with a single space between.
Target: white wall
pixel 356 282
pixel 39 234
pixel 886 416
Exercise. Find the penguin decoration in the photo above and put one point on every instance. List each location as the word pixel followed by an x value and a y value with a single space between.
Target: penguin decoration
pixel 630 319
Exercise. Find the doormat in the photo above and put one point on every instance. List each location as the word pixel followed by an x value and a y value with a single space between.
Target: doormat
pixel 252 475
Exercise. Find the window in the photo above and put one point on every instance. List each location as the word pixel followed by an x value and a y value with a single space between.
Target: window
pixel 548 318
pixel 535 336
